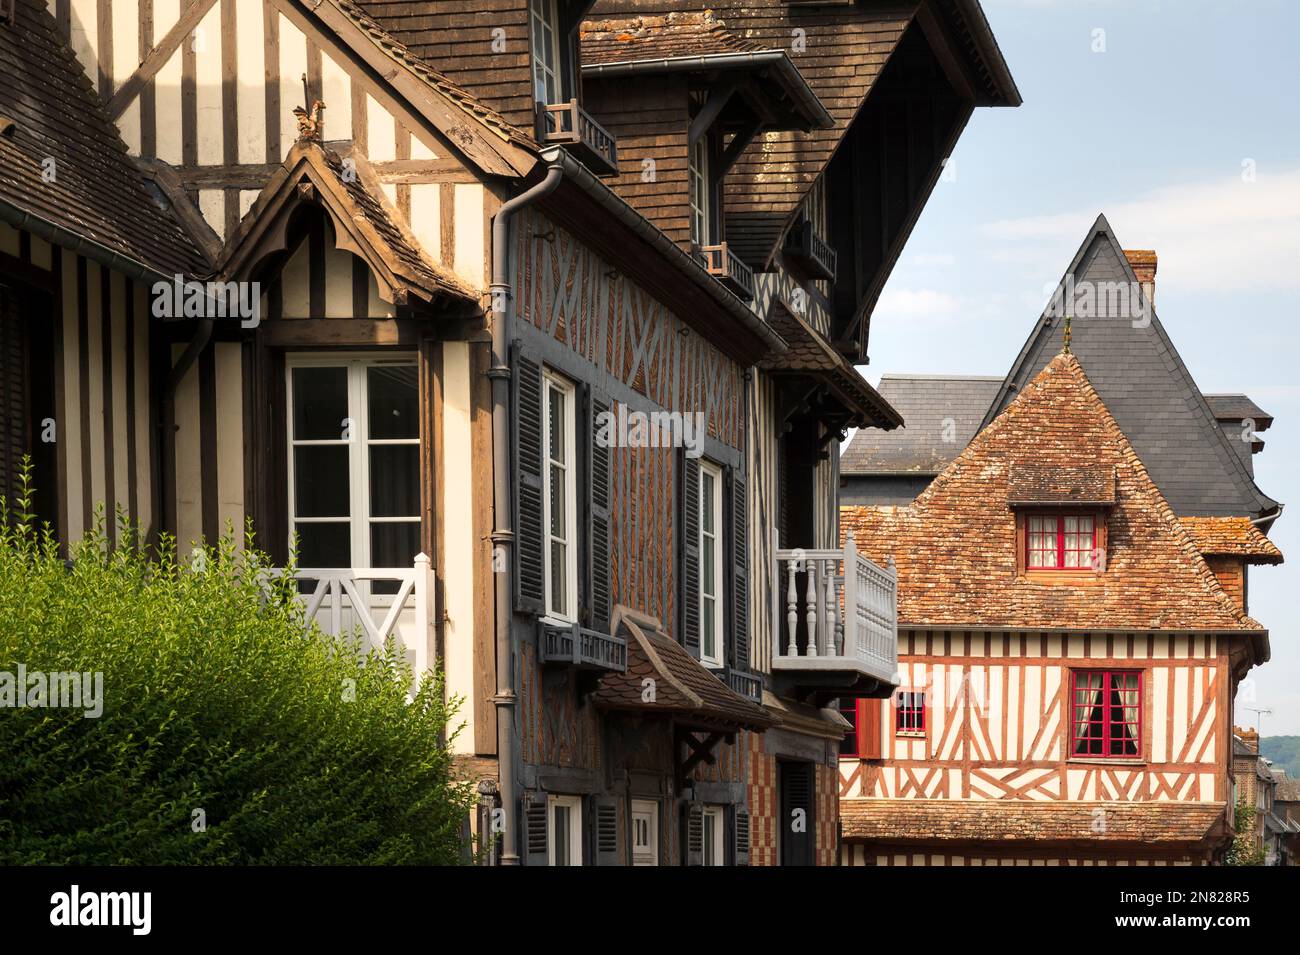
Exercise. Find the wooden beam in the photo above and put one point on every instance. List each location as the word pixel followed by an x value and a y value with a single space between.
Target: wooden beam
pixel 718 98
pixel 737 145
pixel 356 332
pixel 158 56
pixel 951 63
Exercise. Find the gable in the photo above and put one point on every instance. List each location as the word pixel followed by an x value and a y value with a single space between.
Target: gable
pixel 955 546
pixel 1139 375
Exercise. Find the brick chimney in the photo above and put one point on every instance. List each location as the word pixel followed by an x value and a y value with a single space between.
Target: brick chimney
pixel 1144 267
pixel 1249 738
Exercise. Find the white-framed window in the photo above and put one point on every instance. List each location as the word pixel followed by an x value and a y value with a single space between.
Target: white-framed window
pixel 565 818
pixel 354 461
pixel 645 832
pixel 714 828
pixel 697 172
pixel 561 500
pixel 712 647
pixel 545 21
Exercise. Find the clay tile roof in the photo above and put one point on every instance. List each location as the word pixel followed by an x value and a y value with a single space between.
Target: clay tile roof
pixel 1002 821
pixel 95 192
pixel 436 80
pixel 685 690
pixel 941 413
pixel 955 545
pixel 1237 408
pixel 1232 537
pixel 658 37
pixel 809 351
pixel 1038 484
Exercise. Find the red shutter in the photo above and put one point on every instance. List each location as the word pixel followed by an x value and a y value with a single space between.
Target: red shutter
pixel 869 729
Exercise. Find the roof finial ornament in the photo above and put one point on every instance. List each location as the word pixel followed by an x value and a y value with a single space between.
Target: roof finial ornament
pixel 311 124
pixel 1066 349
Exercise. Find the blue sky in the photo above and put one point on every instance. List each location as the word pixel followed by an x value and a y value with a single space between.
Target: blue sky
pixel 1185 132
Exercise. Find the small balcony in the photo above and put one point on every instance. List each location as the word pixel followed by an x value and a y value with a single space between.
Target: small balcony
pixel 723 265
pixel 835 618
pixel 748 685
pixel 810 251
pixel 572 126
pixel 374 603
pixel 578 647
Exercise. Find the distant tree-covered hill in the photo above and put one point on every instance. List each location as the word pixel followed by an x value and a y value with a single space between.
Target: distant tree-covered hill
pixel 1284 751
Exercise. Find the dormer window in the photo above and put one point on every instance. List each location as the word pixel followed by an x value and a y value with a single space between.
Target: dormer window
pixel 548 75
pixel 1061 542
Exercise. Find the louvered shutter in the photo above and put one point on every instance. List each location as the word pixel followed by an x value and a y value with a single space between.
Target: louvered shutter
pixel 693 834
pixel 15 413
pixel 528 418
pixel 740 833
pixel 688 504
pixel 605 830
pixel 739 561
pixel 536 821
pixel 795 781
pixel 598 461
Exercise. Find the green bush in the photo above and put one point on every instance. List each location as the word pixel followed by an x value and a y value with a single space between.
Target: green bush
pixel 227 735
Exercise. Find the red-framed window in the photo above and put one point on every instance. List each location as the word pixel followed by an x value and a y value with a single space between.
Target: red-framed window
pixel 1060 541
pixel 1106 721
pixel 863 740
pixel 909 712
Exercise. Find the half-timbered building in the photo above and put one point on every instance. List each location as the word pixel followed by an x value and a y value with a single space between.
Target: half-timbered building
pixel 1068 654
pixel 529 329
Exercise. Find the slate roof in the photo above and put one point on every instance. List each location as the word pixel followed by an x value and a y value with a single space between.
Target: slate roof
pixel 955 545
pixel 1288 789
pixel 1236 408
pixel 940 415
pixel 96 191
pixel 1018 821
pixel 685 691
pixel 1138 373
pixel 1232 537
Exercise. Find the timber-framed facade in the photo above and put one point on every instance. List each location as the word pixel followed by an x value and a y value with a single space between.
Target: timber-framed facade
pixel 465 296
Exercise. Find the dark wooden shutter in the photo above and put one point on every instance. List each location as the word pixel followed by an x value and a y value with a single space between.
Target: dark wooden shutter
pixel 15 405
pixel 740 833
pixel 605 830
pixel 693 834
pixel 868 729
pixel 529 418
pixel 795 780
pixel 739 561
pixel 598 455
pixel 688 505
pixel 536 821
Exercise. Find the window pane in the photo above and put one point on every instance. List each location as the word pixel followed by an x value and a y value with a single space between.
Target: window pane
pixel 707 518
pixel 556 425
pixel 320 487
pixel 394 401
pixel 559 518
pixel 324 545
pixel 561 835
pixel 320 403
pixel 394 480
pixel 708 614
pixel 394 544
pixel 710 829
pixel 707 583
pixel 559 577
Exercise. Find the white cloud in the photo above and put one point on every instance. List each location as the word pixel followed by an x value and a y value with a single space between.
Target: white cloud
pixel 1218 235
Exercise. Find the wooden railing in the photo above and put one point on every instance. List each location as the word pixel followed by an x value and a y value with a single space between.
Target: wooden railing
pixel 726 267
pixel 834 609
pixel 344 600
pixel 582 648
pixel 810 249
pixel 570 124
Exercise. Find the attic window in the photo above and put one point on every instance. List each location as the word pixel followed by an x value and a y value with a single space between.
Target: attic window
pixel 1061 541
